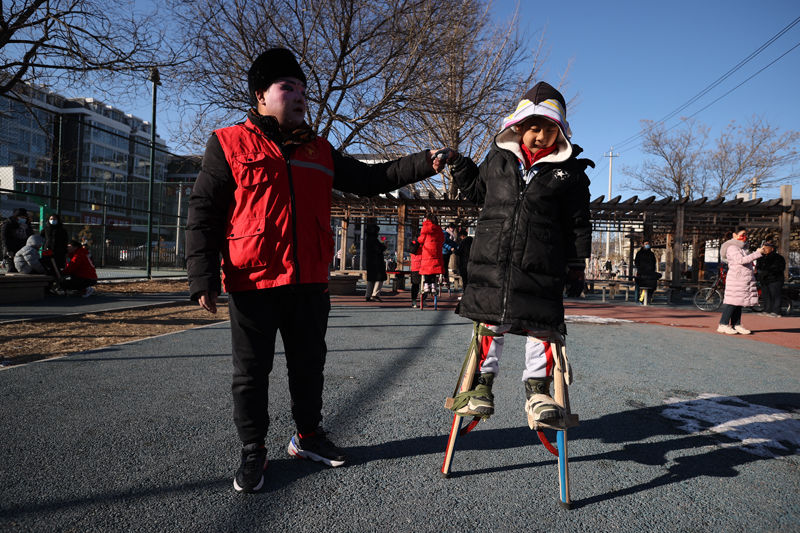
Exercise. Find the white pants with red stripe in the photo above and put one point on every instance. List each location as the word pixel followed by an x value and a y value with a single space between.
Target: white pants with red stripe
pixel 538 352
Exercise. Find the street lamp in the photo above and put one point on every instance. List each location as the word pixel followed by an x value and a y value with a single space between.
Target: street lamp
pixel 153 77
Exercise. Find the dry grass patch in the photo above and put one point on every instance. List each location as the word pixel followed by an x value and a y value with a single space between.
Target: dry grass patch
pixel 40 339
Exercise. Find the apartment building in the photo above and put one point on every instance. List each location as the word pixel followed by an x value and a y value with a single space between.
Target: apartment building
pixel 81 156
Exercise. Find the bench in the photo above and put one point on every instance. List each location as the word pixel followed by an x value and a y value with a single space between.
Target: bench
pixel 15 287
pixel 398 278
pixel 342 285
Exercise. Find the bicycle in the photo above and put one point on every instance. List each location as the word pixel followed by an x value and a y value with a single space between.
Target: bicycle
pixel 710 298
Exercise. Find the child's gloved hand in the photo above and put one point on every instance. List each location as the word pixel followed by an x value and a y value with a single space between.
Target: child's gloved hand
pixel 439 158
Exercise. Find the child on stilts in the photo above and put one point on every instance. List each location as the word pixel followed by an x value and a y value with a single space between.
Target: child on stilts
pixel 533 229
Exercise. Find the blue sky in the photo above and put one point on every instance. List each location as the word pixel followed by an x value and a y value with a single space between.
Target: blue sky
pixel 634 60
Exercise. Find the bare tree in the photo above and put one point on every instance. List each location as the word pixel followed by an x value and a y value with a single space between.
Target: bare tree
pixel 677 165
pixel 384 76
pixel 744 158
pixel 51 42
pixel 475 80
pixel 362 59
pixel 752 156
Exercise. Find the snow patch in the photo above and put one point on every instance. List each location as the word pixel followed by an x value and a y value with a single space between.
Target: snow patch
pixel 754 428
pixel 588 319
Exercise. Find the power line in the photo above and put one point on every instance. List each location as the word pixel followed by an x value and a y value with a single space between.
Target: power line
pixel 719 80
pixel 746 80
pixel 736 87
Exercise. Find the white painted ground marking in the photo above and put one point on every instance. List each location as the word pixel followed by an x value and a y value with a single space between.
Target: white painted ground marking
pixel 593 319
pixel 758 429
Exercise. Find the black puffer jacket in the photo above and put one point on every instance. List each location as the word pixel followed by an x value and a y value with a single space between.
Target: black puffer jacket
pixel 770 267
pixel 373 253
pixel 525 238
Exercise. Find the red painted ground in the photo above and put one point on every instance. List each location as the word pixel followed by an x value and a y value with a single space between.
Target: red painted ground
pixel 784 331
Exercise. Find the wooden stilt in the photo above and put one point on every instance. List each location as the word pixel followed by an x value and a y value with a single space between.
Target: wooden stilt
pixel 468 370
pixel 561 396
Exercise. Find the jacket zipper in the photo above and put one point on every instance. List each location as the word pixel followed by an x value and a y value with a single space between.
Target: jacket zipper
pixel 507 288
pixel 291 203
pixel 294 220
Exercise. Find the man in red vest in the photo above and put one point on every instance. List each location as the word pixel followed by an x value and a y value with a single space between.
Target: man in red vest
pixel 262 202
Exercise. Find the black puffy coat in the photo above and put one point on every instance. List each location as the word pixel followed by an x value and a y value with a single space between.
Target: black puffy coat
pixel 525 237
pixel 646 275
pixel 770 267
pixel 55 239
pixel 373 255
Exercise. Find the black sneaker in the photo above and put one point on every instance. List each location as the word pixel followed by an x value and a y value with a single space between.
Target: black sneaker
pixel 316 447
pixel 250 476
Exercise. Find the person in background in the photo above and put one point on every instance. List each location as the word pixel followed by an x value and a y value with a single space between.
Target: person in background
pixel 646 278
pixel 79 272
pixel 55 240
pixel 260 208
pixel 462 255
pixel 448 248
pixel 376 266
pixel 416 278
pixel 740 283
pixel 770 270
pixel 431 264
pixel 26 260
pixel 15 232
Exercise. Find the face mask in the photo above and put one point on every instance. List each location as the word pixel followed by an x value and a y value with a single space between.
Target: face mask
pixel 53 221
pixel 646 246
pixel 22 220
pixel 741 237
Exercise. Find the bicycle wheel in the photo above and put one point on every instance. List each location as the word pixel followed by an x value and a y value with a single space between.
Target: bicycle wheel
pixel 708 299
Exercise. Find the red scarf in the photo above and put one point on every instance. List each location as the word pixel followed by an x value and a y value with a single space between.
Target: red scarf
pixel 530 158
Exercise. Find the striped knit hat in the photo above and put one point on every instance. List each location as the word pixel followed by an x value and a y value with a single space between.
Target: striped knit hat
pixel 543 100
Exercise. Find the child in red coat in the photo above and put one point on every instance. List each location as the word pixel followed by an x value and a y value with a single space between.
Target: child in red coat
pixel 432 263
pixel 79 273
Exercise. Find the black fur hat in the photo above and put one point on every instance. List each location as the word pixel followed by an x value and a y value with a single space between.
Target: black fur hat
pixel 269 66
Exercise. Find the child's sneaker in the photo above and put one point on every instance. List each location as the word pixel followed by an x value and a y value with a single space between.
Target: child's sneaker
pixel 724 328
pixel 250 476
pixel 317 447
pixel 740 329
pixel 481 399
pixel 540 406
pixel 88 292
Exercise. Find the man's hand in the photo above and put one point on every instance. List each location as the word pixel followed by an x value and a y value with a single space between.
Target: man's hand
pixel 439 158
pixel 208 301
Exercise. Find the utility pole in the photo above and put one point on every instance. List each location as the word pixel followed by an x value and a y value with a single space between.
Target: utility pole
pixel 154 77
pixel 610 155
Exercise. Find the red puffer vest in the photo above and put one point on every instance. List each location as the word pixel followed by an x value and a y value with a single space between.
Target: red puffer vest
pixel 279 229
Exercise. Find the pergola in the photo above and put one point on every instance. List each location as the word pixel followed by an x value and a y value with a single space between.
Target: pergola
pixel 666 222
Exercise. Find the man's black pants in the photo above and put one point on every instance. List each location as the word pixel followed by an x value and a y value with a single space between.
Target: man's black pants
pixel 300 313
pixel 772 296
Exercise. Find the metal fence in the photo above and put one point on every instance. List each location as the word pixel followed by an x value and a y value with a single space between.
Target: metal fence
pixel 97 167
